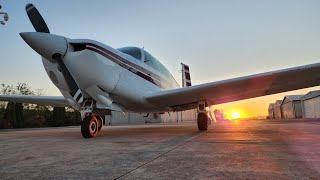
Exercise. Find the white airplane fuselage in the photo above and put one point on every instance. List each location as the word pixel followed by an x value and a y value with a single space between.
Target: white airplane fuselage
pixel 115 80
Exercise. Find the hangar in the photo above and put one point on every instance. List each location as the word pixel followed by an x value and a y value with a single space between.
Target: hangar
pixel 291 107
pixel 141 118
pixel 271 111
pixel 277 109
pixel 311 105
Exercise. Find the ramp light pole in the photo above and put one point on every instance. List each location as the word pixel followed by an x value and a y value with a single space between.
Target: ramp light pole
pixel 5 17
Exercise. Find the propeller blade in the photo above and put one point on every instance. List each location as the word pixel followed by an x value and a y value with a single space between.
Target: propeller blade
pixel 72 85
pixel 36 19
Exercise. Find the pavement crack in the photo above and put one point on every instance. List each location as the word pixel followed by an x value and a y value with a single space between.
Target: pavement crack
pixel 166 152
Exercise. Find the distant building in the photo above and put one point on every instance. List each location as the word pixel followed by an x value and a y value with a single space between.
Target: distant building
pixel 271 111
pixel 291 107
pixel 277 109
pixel 311 105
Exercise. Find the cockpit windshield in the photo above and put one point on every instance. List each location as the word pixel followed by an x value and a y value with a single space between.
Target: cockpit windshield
pixel 155 64
pixel 132 51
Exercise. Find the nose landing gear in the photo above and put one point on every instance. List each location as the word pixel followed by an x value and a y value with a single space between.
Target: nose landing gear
pixel 89 126
pixel 91 123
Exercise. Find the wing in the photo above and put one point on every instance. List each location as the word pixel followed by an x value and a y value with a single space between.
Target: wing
pixel 238 88
pixel 59 101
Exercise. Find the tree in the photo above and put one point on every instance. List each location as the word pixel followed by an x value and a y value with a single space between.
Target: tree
pixel 59 114
pixel 219 114
pixel 13 114
pixel 17 115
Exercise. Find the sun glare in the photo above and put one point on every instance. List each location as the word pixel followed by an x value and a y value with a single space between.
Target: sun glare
pixel 235 115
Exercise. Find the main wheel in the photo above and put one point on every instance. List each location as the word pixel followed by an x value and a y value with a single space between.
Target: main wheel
pixel 89 127
pixel 202 122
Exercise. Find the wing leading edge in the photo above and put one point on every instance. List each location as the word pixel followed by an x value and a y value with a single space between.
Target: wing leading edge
pixel 59 101
pixel 239 88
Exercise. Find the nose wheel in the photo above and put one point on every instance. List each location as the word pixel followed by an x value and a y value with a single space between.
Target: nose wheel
pixel 89 127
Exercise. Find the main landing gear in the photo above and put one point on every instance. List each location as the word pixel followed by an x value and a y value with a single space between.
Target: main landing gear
pixel 202 119
pixel 202 122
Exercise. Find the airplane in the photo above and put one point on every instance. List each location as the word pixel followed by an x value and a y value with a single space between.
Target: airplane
pixel 96 79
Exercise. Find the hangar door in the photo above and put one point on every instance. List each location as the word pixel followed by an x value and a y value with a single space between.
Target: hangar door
pixel 317 106
pixel 297 109
pixel 308 108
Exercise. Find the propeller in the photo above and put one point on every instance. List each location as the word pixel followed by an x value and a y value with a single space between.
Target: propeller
pixel 40 26
pixel 72 85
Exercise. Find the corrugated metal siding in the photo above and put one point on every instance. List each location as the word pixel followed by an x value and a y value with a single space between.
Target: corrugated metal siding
pixel 169 117
pixel 277 109
pixel 317 107
pixel 277 112
pixel 189 115
pixel 297 109
pixel 137 118
pixel 308 108
pixel 119 118
pixel 180 116
pixel 287 110
pixel 271 113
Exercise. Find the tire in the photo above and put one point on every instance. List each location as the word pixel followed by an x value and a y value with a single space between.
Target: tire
pixel 202 122
pixel 89 127
pixel 100 122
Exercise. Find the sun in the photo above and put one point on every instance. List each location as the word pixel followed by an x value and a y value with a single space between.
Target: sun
pixel 235 115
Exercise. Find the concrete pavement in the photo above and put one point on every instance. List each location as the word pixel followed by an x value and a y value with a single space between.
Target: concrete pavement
pixel 267 149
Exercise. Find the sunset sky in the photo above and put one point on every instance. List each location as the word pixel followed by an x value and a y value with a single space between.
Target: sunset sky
pixel 217 39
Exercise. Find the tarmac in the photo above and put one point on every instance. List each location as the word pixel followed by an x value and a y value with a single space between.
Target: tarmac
pixel 252 149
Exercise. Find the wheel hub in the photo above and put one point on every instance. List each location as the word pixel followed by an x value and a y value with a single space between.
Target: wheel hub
pixel 93 126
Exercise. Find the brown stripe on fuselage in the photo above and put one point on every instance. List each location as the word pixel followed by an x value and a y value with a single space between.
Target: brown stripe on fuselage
pixel 126 66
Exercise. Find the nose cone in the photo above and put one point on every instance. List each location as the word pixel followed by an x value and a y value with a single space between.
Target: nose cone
pixel 46 44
